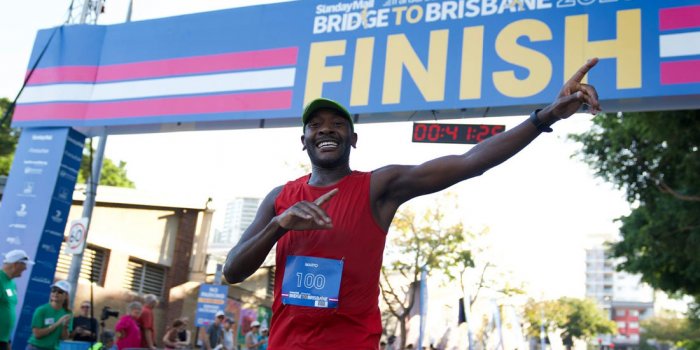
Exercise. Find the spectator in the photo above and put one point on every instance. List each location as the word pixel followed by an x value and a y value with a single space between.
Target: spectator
pixel 148 335
pixel 106 341
pixel 185 336
pixel 214 335
pixel 84 325
pixel 264 335
pixel 127 328
pixel 171 339
pixel 52 321
pixel 229 342
pixel 391 343
pixel 14 263
pixel 252 338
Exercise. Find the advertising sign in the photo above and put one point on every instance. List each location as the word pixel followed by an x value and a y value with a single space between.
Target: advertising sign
pixel 35 206
pixel 386 60
pixel 212 299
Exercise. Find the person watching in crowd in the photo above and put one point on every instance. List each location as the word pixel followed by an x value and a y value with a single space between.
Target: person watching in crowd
pixel 84 325
pixel 148 334
pixel 171 339
pixel 51 322
pixel 229 342
pixel 127 328
pixel 214 333
pixel 252 338
pixel 106 341
pixel 264 335
pixel 13 264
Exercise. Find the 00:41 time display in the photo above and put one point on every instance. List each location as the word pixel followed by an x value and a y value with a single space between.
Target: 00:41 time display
pixel 454 133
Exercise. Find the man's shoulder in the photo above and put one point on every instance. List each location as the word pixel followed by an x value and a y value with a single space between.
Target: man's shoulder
pixel 5 280
pixel 43 308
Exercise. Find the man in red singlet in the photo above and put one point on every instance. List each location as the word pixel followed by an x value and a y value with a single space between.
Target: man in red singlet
pixel 330 225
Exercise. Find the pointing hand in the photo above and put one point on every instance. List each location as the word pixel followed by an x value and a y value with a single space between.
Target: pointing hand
pixel 306 215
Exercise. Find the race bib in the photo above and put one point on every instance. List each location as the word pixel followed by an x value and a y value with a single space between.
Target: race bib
pixel 9 292
pixel 313 282
pixel 49 321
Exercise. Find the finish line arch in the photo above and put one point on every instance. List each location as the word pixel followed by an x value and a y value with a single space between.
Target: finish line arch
pixel 387 60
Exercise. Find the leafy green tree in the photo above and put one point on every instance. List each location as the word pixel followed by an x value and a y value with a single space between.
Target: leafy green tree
pixel 420 241
pixel 111 174
pixel 654 157
pixel 679 332
pixel 8 138
pixel 574 318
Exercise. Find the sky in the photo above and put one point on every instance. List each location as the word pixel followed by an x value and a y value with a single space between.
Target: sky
pixel 540 206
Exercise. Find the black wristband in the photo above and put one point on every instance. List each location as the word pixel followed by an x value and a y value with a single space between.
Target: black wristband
pixel 540 125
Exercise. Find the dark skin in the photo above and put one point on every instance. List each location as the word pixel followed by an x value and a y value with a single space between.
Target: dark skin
pixel 328 138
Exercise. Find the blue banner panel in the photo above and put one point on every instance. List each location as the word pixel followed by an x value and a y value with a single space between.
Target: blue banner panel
pixel 385 59
pixel 212 299
pixel 35 206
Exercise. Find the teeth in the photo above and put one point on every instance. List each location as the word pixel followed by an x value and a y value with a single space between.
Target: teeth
pixel 327 144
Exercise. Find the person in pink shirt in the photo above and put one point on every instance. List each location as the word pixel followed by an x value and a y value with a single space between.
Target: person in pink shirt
pixel 127 328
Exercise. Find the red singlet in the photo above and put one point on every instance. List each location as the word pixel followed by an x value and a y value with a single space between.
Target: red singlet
pixel 355 237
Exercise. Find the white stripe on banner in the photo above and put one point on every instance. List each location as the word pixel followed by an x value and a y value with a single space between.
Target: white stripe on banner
pixel 200 84
pixel 683 44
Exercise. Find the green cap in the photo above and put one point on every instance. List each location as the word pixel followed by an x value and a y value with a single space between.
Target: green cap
pixel 319 103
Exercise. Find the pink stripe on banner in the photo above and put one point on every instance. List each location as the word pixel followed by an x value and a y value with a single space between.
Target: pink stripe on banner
pixel 680 72
pixel 259 101
pixel 73 74
pixel 679 17
pixel 169 67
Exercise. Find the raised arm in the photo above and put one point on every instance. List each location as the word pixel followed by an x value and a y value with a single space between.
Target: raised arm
pixel 267 227
pixel 396 184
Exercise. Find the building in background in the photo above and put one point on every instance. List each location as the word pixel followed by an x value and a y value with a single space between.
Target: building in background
pixel 623 295
pixel 239 214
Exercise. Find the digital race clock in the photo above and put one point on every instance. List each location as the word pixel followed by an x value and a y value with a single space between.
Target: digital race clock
pixel 454 133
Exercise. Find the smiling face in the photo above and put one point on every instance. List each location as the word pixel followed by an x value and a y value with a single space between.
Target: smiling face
pixel 327 139
pixel 57 296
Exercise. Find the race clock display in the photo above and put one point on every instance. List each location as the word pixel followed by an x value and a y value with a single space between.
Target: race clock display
pixel 454 133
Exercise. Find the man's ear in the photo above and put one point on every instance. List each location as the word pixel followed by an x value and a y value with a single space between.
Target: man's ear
pixel 303 145
pixel 354 140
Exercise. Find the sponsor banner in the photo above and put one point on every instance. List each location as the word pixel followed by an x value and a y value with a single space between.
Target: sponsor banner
pixel 212 299
pixel 384 59
pixel 35 206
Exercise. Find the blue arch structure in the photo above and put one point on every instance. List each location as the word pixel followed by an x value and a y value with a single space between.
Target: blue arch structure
pixel 387 60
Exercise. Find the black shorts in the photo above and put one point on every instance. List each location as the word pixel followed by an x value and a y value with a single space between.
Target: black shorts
pixel 4 345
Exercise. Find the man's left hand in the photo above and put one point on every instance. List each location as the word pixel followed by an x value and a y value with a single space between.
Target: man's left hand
pixel 572 96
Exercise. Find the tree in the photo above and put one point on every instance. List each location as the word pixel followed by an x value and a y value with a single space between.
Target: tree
pixel 654 157
pixel 8 138
pixel 111 174
pixel 680 332
pixel 574 318
pixel 425 241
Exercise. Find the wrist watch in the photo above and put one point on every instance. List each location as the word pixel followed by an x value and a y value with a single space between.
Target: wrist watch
pixel 540 125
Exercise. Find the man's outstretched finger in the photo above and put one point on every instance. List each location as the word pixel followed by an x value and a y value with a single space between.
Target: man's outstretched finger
pixel 581 72
pixel 325 197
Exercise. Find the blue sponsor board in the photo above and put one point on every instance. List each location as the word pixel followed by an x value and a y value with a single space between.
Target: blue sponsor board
pixel 211 299
pixel 35 206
